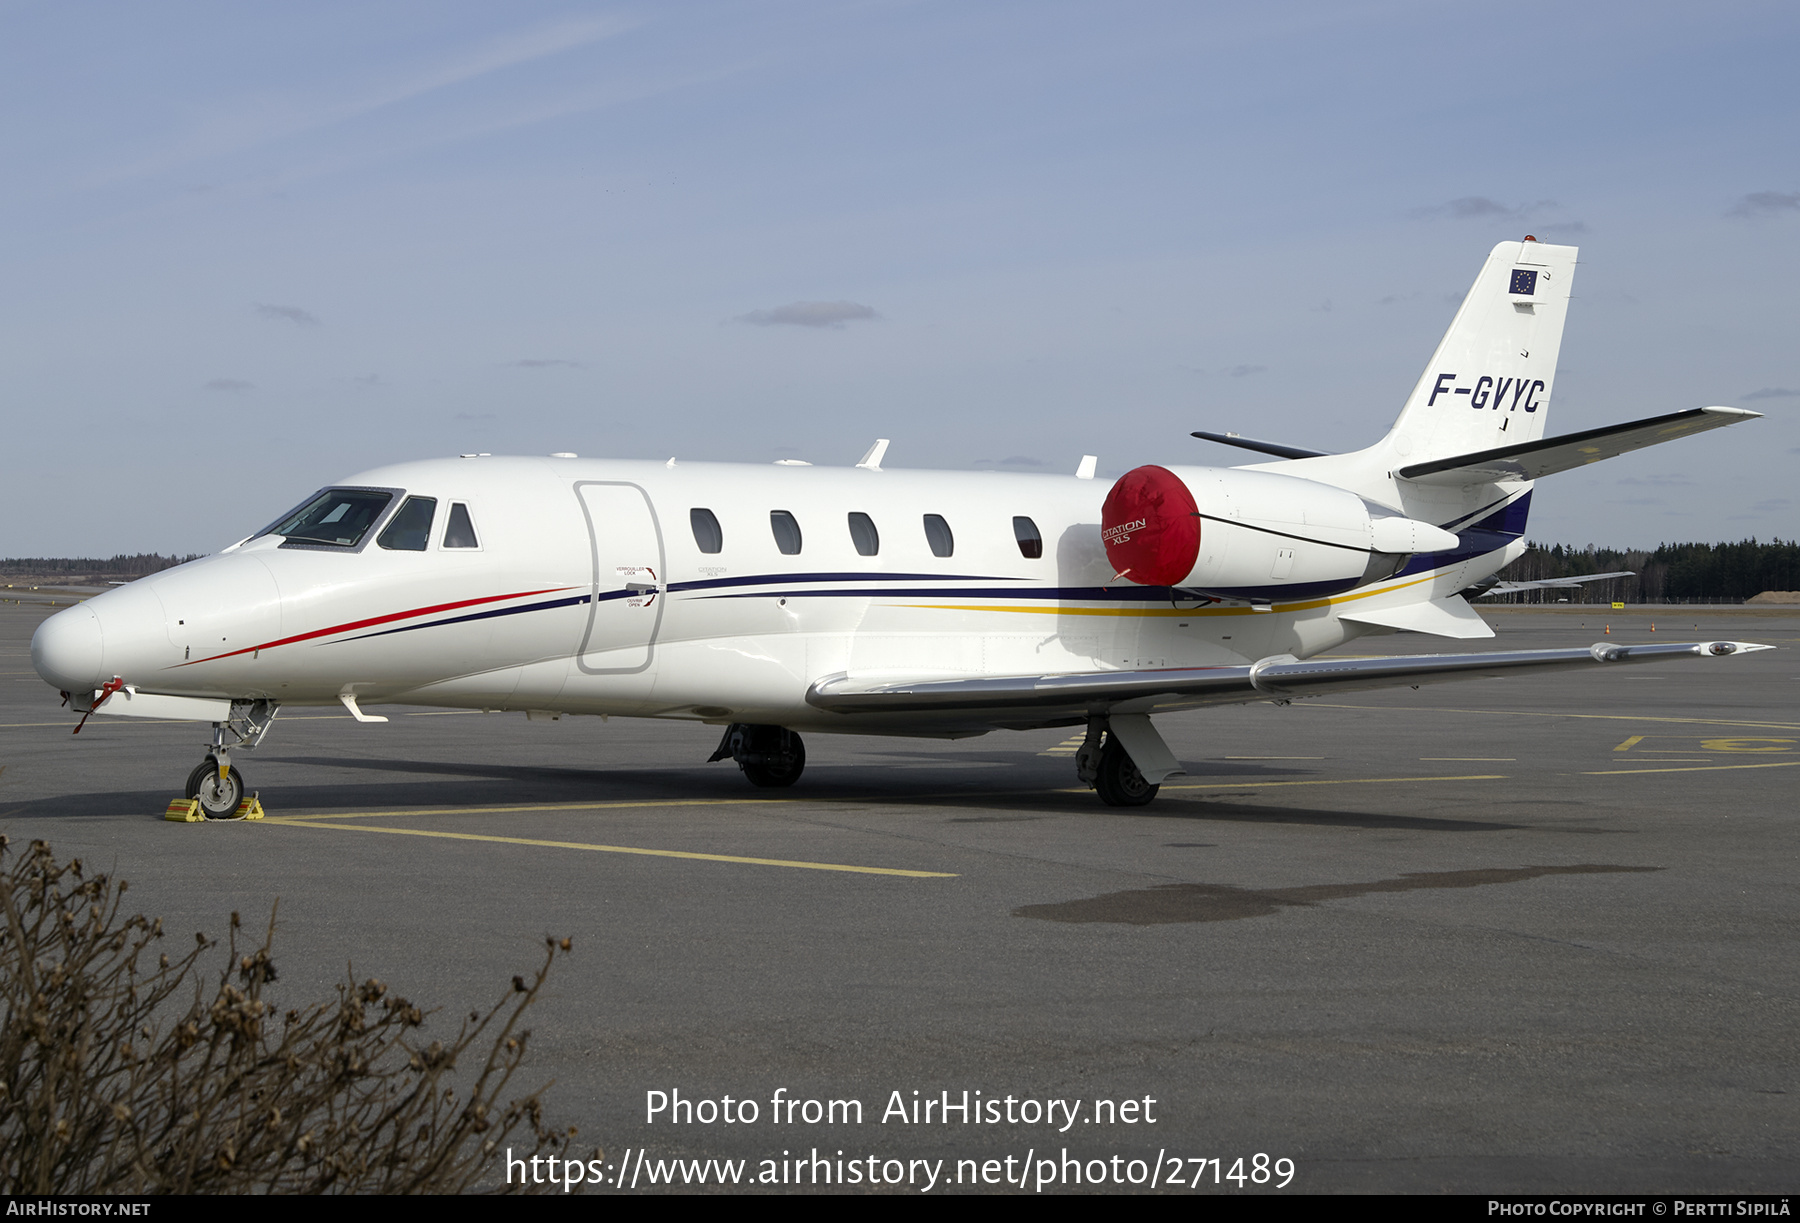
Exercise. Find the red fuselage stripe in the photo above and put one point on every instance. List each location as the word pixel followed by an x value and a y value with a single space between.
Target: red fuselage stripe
pixel 387 619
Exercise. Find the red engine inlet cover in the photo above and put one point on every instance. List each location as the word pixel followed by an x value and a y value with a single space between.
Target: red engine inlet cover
pixel 1151 527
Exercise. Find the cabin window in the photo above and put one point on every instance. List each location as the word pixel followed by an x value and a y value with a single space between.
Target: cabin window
pixel 1031 544
pixel 707 535
pixel 459 532
pixel 938 535
pixel 410 531
pixel 786 531
pixel 863 534
pixel 336 518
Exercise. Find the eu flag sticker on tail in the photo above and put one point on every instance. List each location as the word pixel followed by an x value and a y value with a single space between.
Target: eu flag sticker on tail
pixel 1524 283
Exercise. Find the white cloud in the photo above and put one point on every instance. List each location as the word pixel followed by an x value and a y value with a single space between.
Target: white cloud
pixel 257 121
pixel 287 314
pixel 809 314
pixel 1766 204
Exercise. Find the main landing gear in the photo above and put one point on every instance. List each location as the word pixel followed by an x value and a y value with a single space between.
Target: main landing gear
pixel 769 755
pixel 1103 763
pixel 215 782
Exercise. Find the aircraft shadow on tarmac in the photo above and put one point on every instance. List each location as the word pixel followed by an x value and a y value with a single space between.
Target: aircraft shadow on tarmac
pixel 1183 903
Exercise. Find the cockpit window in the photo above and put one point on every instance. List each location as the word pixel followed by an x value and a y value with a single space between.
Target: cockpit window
pixel 460 532
pixel 410 531
pixel 336 518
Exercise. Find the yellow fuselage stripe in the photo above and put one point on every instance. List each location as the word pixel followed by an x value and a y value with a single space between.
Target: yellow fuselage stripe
pixel 1065 610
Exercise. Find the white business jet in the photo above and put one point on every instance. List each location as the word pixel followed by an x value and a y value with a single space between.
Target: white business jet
pixel 771 600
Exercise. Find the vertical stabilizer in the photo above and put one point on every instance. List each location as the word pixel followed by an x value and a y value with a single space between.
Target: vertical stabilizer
pixel 1490 380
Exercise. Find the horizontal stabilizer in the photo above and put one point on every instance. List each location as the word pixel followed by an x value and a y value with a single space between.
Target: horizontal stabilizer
pixel 1048 699
pixel 1546 457
pixel 1451 617
pixel 1574 583
pixel 1245 443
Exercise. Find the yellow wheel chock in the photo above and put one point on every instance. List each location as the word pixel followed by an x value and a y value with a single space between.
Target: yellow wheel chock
pixel 184 811
pixel 187 810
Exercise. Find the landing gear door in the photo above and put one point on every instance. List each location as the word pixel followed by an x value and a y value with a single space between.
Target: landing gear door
pixel 629 584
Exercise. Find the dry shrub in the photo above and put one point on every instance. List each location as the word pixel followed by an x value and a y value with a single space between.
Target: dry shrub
pixel 110 1086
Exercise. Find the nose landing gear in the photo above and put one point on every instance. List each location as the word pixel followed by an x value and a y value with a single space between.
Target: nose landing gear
pixel 215 782
pixel 769 755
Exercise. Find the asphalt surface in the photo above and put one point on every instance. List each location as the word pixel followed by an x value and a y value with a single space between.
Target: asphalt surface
pixel 1523 935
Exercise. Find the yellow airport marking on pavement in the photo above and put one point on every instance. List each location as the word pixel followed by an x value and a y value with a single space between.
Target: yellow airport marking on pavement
pixel 1533 713
pixel 623 849
pixel 1274 758
pixel 1067 747
pixel 623 803
pixel 1705 768
pixel 1337 781
pixel 1744 743
pixel 1474 759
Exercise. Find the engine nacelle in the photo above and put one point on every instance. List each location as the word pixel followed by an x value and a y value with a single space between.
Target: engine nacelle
pixel 1253 534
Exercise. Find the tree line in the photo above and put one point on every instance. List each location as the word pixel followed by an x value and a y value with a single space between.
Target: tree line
pixel 135 565
pixel 1671 573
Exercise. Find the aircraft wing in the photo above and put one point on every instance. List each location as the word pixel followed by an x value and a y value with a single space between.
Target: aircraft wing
pixel 1530 460
pixel 1041 698
pixel 1506 588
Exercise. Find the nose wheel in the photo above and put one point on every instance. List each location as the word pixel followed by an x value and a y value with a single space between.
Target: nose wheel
pixel 219 791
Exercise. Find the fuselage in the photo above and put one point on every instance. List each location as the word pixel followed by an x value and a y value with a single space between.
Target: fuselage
pixel 709 591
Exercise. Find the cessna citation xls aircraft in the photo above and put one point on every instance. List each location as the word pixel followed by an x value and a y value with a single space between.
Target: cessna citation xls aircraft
pixel 774 600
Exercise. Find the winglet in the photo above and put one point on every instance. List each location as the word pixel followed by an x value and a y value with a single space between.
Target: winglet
pixel 1086 470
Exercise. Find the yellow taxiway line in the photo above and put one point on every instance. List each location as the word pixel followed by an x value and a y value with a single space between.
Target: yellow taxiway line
pixel 337 821
pixel 619 849
pixel 1704 768
pixel 1336 781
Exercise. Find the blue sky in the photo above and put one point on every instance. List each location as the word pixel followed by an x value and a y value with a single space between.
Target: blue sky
pixel 246 250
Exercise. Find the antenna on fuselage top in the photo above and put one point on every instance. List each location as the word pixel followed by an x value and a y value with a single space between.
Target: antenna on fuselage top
pixel 872 460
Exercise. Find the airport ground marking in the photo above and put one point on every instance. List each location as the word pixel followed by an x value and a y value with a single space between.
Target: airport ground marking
pixel 1334 781
pixel 293 822
pixel 514 810
pixel 325 819
pixel 1539 713
pixel 1704 768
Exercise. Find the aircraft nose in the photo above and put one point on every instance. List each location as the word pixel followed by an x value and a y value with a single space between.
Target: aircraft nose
pixel 66 650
